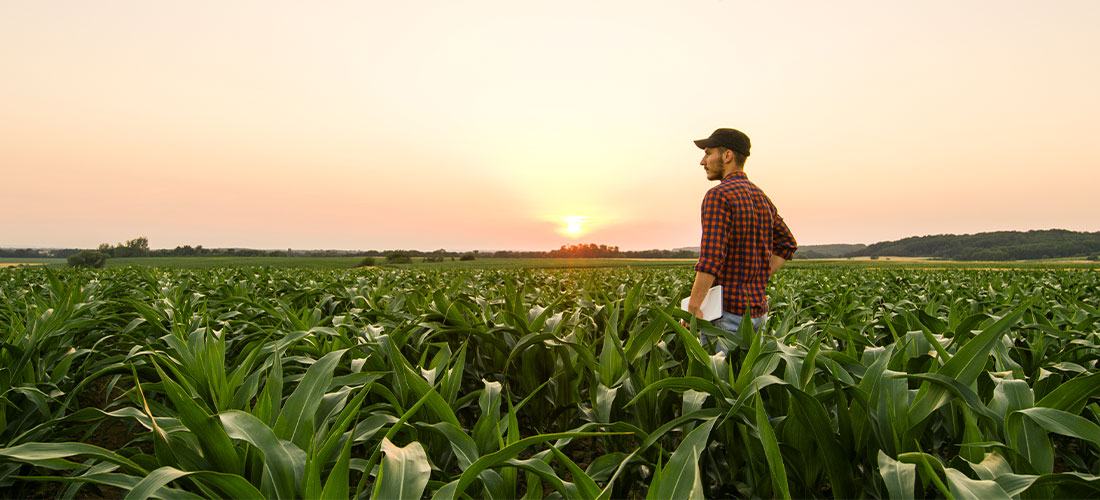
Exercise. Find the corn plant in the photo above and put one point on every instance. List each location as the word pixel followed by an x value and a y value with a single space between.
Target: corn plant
pixel 384 383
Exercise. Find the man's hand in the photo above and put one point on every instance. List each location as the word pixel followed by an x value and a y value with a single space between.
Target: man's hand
pixel 699 290
pixel 697 310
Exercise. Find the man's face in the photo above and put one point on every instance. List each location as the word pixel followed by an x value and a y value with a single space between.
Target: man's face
pixel 712 163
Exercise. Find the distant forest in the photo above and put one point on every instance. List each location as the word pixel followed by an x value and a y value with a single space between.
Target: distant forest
pixel 139 247
pixel 826 251
pixel 1000 245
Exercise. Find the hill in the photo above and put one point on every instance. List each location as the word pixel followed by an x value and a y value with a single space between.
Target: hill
pixel 1000 245
pixel 826 251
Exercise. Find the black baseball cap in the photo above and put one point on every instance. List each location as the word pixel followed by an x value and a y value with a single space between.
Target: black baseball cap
pixel 727 138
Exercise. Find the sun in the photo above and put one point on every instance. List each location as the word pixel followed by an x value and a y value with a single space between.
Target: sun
pixel 573 224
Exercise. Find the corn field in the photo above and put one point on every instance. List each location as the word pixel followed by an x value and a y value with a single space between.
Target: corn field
pixel 576 384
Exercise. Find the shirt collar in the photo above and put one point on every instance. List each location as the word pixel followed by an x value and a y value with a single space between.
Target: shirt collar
pixel 735 175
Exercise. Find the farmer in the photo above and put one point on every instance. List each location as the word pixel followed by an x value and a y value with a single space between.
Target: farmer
pixel 744 239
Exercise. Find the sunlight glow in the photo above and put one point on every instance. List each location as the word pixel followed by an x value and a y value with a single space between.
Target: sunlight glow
pixel 574 223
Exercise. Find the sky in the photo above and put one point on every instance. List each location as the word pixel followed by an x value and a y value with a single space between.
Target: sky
pixel 484 124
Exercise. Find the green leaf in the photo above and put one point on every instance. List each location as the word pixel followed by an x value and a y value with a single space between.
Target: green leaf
pixel 232 485
pixel 1030 440
pixel 507 453
pixel 965 365
pixel 930 467
pixel 652 438
pixel 487 427
pixel 214 442
pixel 585 485
pixel 958 390
pixel 49 455
pixel 964 488
pixel 1072 395
pixel 681 477
pixel 900 478
pixel 295 422
pixel 540 470
pixel 120 481
pixel 605 398
pixel 991 466
pixel 778 472
pixel 1060 422
pixel 1014 484
pixel 337 484
pixel 320 456
pixel 812 414
pixel 462 444
pixel 283 461
pixel 680 383
pixel 404 472
pixel 691 342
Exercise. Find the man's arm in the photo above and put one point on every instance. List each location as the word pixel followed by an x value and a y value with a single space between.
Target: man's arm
pixel 783 245
pixel 703 282
pixel 776 263
pixel 716 223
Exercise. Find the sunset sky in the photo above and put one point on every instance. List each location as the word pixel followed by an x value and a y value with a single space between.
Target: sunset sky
pixel 483 124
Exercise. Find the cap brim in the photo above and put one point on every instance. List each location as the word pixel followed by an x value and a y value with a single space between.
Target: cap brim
pixel 704 143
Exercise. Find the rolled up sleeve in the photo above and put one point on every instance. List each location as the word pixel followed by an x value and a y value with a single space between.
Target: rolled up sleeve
pixel 783 243
pixel 716 227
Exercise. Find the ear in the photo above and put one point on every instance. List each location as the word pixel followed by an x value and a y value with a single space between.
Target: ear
pixel 727 156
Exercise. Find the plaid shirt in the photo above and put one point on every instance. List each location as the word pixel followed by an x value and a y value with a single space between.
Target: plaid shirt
pixel 741 231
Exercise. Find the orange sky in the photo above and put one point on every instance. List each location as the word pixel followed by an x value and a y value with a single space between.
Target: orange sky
pixel 480 125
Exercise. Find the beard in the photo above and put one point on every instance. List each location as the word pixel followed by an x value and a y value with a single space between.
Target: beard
pixel 713 173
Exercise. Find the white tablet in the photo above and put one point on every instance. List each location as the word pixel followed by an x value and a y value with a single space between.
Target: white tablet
pixel 712 304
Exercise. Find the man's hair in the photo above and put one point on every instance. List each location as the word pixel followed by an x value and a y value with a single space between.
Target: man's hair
pixel 738 158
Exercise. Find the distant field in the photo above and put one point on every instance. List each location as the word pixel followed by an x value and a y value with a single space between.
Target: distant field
pixel 6 262
pixel 544 263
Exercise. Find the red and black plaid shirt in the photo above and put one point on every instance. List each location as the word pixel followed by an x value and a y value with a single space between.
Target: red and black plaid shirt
pixel 741 231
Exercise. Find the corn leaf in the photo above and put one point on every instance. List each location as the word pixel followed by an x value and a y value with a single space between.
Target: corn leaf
pixel 404 472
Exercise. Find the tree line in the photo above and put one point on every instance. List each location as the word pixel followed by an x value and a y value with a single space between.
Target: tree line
pixel 592 250
pixel 139 247
pixel 1000 245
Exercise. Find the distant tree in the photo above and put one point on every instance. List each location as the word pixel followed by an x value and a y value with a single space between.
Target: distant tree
pixel 435 256
pixel 139 245
pixel 468 256
pixel 367 261
pixel 88 258
pixel 1093 258
pixel 399 257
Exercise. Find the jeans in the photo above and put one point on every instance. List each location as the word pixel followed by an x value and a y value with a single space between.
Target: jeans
pixel 732 323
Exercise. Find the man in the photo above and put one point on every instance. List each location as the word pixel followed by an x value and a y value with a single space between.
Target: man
pixel 744 239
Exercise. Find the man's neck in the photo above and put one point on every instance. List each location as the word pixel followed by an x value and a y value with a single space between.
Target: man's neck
pixel 732 170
